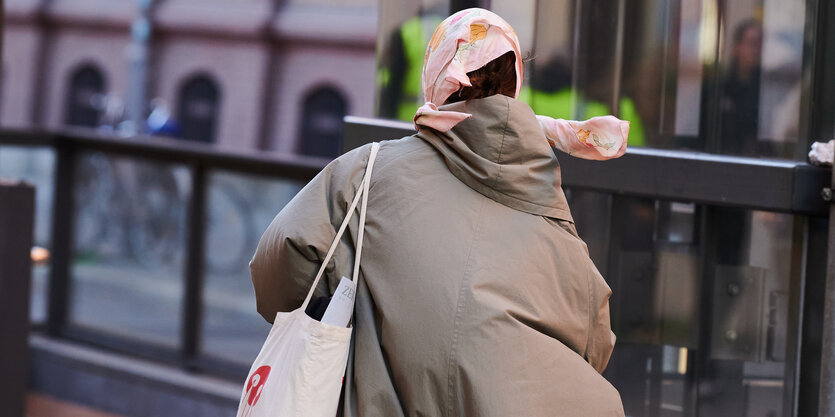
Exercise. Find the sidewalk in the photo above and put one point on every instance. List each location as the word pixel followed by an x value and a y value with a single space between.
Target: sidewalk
pixel 38 405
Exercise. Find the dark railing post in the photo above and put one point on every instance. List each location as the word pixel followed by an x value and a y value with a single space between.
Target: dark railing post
pixel 63 216
pixel 16 222
pixel 195 258
pixel 827 376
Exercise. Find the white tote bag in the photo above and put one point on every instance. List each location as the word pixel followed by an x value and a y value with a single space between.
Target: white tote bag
pixel 300 368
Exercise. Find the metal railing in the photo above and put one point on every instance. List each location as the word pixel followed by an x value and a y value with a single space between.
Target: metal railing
pixel 754 183
pixel 781 186
pixel 713 185
pixel 200 159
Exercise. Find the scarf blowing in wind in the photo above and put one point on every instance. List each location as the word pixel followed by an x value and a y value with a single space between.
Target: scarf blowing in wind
pixel 470 39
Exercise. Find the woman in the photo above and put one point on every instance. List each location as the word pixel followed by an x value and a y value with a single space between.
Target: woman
pixel 476 297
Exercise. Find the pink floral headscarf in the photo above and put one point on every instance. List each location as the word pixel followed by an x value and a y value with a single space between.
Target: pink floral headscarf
pixel 470 39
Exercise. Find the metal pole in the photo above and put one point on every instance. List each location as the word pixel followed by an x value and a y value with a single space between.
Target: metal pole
pixel 195 259
pixel 138 71
pixel 826 400
pixel 63 219
pixel 268 102
pixel 16 221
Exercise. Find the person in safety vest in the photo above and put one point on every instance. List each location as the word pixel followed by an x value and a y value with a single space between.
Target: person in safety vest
pixel 550 93
pixel 399 78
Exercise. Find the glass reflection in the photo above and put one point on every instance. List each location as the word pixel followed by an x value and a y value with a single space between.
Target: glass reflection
pixel 760 98
pixel 240 208
pixel 36 166
pixel 128 247
pixel 740 96
pixel 404 31
pixel 701 313
pixel 720 77
pixel 744 365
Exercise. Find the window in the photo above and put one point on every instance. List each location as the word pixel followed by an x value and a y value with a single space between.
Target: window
pixel 87 84
pixel 198 108
pixel 321 126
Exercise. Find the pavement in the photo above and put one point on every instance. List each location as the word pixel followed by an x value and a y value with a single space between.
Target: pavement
pixel 38 405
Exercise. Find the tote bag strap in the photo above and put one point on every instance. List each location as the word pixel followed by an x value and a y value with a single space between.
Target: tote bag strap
pixel 362 192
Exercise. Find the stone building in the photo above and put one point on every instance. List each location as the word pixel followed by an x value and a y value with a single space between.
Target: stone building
pixel 252 74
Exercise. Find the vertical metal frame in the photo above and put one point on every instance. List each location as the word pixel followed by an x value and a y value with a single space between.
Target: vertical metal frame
pixel 816 363
pixel 710 127
pixel 817 121
pixel 826 401
pixel 708 231
pixel 814 263
pixel 669 85
pixel 63 219
pixel 617 73
pixel 193 282
pixel 16 231
pixel 576 48
pixel 797 289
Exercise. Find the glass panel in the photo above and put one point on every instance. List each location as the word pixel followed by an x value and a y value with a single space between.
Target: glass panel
pixel 743 100
pixel 549 89
pixel 129 244
pixel 658 64
pixel 701 319
pixel 240 209
pixel 744 368
pixel 521 14
pixel 36 166
pixel 761 66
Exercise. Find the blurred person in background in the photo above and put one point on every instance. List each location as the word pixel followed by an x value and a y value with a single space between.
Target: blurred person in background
pixel 476 297
pixel 111 108
pixel 400 75
pixel 160 122
pixel 740 97
pixel 550 93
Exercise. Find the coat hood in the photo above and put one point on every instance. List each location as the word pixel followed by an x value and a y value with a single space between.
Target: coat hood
pixel 502 153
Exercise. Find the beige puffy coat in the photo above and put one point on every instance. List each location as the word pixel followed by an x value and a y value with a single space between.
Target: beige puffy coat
pixel 477 297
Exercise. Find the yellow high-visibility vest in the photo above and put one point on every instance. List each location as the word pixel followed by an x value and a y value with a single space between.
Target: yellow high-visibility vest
pixel 558 105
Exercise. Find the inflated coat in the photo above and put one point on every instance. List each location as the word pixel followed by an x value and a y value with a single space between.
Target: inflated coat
pixel 476 297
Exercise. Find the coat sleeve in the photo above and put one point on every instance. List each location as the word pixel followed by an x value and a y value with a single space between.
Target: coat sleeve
pixel 292 248
pixel 601 338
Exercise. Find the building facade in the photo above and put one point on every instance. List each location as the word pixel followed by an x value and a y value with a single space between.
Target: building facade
pixel 257 74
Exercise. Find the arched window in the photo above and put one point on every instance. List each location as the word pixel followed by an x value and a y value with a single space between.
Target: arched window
pixel 86 85
pixel 197 111
pixel 321 126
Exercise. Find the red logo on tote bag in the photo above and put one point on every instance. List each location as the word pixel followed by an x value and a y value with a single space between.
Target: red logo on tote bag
pixel 256 384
